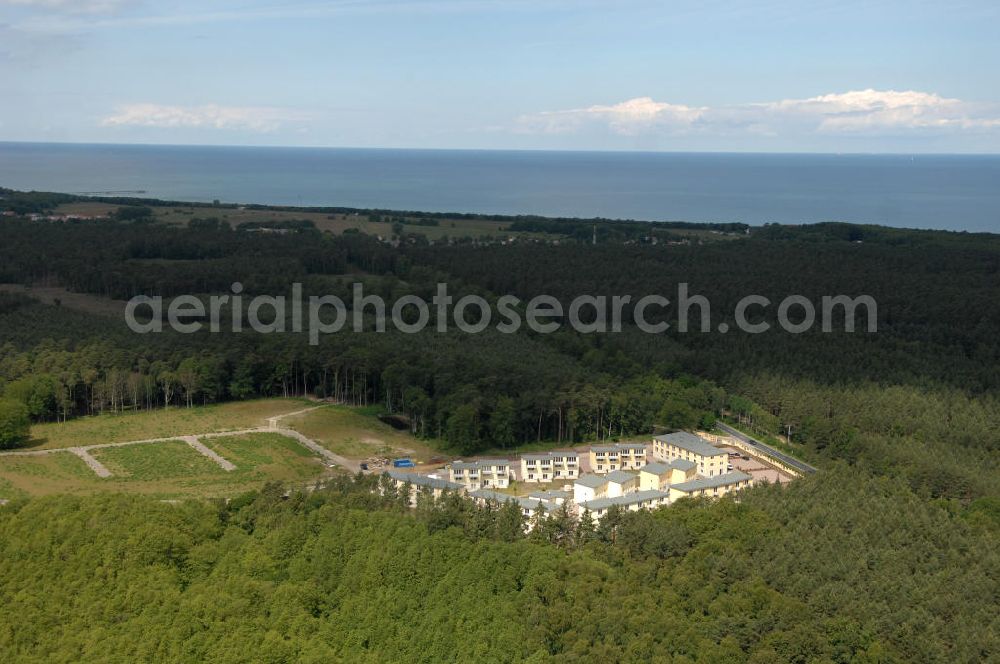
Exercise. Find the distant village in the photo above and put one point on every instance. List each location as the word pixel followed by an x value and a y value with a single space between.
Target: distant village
pixel 630 476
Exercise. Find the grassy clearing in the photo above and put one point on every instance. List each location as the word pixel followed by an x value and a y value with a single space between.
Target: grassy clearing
pixel 170 469
pixel 267 456
pixel 156 461
pixel 42 475
pixel 358 434
pixel 91 208
pixel 162 423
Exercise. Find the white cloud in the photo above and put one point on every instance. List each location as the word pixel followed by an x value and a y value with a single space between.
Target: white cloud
pixel 252 118
pixel 854 112
pixel 628 118
pixel 880 110
pixel 71 6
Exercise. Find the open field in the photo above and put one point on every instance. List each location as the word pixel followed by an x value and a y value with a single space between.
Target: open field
pixel 89 208
pixel 167 423
pixel 355 434
pixel 335 223
pixel 170 469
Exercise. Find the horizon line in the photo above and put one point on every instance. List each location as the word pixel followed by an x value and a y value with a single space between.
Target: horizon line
pixel 469 149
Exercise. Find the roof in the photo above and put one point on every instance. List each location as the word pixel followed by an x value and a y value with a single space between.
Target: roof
pixel 631 446
pixel 479 463
pixel 423 480
pixel 524 502
pixel 656 468
pixel 711 482
pixel 619 477
pixel 691 443
pixel 592 481
pixel 628 499
pixel 604 448
pixel 551 495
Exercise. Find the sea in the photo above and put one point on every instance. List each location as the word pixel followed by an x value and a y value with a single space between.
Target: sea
pixel 950 192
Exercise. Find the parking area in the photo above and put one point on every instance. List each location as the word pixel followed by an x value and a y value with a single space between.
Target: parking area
pixel 759 470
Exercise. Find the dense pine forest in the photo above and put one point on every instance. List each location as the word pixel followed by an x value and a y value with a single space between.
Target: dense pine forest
pixel 836 568
pixel 889 554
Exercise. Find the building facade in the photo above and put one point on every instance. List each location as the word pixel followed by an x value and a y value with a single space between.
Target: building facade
pixel 709 460
pixel 550 467
pixel 632 502
pixel 589 487
pixel 658 476
pixel 621 483
pixel 619 456
pixel 482 474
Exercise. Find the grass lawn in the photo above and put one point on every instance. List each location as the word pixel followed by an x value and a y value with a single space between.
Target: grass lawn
pixel 359 434
pixel 171 469
pixel 161 423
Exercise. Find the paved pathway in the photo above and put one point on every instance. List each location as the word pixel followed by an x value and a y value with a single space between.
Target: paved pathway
pixel 94 464
pixel 211 454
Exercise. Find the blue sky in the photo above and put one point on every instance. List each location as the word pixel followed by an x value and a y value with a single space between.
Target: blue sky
pixel 770 75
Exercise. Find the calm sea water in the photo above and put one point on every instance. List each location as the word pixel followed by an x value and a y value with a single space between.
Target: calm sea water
pixel 946 192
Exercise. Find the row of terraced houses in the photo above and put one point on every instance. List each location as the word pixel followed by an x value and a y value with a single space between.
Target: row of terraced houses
pixel 681 464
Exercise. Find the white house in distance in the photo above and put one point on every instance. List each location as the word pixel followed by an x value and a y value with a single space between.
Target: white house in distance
pixel 550 466
pixel 710 460
pixel 482 474
pixel 589 487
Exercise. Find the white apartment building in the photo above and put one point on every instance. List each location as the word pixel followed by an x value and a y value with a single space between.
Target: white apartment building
pixel 482 474
pixel 710 460
pixel 550 467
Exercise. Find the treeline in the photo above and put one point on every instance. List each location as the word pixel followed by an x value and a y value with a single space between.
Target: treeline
pixel 937 317
pixel 474 392
pixel 833 568
pixel 605 230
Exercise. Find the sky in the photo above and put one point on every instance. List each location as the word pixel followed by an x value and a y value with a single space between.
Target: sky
pixel 688 75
